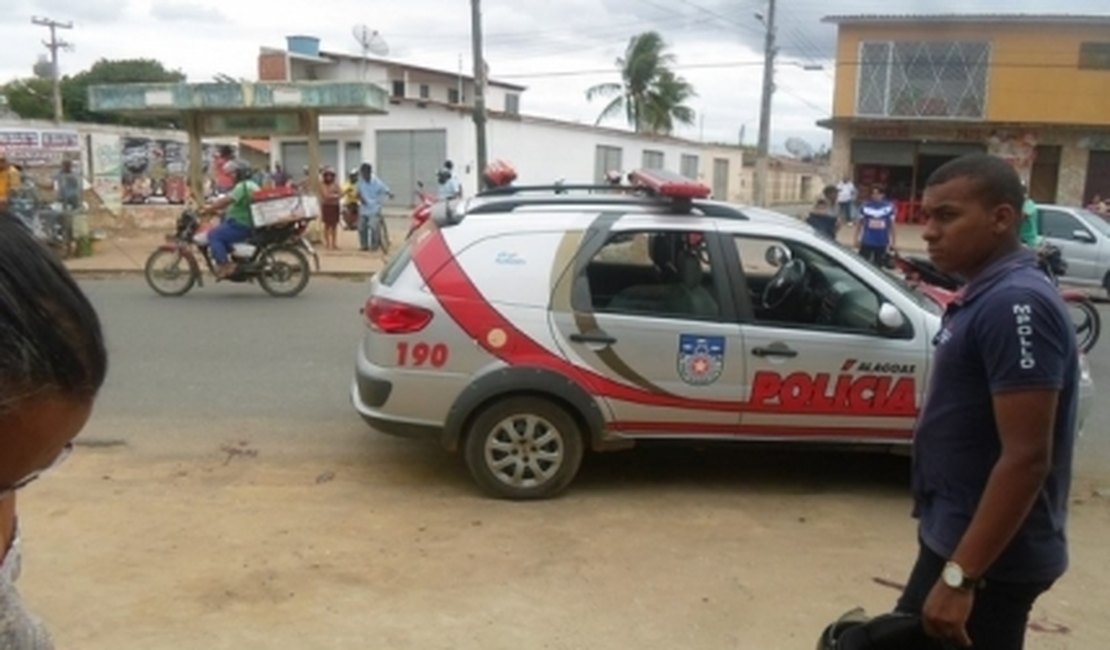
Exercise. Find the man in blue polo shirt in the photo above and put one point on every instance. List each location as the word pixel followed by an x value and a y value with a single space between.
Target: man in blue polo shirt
pixel 992 452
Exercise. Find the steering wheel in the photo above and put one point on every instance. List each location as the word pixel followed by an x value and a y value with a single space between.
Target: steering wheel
pixel 784 283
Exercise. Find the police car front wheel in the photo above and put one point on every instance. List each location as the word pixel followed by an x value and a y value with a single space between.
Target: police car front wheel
pixel 524 448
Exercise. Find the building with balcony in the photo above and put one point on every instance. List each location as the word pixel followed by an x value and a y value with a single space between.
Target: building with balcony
pixel 914 91
pixel 429 120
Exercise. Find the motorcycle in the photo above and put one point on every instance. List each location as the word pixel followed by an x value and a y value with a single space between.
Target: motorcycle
pixel 943 288
pixel 276 256
pixel 49 224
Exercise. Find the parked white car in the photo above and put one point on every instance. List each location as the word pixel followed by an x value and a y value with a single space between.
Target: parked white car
pixel 1084 240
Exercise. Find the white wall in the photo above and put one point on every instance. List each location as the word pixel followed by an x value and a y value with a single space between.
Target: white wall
pixel 542 151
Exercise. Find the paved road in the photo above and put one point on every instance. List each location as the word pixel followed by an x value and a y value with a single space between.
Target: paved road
pixel 225 357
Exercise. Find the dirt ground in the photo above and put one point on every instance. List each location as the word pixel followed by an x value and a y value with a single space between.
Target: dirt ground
pixel 241 547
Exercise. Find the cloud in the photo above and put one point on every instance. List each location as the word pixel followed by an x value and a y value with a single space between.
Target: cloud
pixel 85 11
pixel 174 12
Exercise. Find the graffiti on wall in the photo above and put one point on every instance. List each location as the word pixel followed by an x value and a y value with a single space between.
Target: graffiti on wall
pixel 1017 148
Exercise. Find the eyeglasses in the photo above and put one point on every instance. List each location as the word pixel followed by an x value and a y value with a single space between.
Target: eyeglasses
pixel 27 480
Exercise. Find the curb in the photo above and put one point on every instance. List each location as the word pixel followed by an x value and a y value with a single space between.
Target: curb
pixel 93 274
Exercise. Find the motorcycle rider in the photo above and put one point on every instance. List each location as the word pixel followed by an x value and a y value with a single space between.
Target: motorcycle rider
pixel 237 226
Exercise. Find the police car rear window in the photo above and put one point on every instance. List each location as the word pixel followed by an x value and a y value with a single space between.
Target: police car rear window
pixel 396 266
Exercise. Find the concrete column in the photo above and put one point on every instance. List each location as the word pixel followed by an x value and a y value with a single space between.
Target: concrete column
pixel 313 119
pixel 196 155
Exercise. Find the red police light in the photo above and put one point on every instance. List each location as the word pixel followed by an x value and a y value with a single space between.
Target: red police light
pixel 669 184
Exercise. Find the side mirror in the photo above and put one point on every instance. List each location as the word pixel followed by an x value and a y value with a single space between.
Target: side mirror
pixel 1082 234
pixel 891 318
pixel 776 255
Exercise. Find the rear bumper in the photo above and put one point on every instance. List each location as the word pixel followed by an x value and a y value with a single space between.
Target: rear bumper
pixel 363 388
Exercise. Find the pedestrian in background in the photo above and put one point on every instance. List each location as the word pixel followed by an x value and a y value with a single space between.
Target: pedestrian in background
pixel 10 180
pixel 52 364
pixel 350 200
pixel 449 187
pixel 67 186
pixel 1030 230
pixel 371 194
pixel 875 231
pixel 823 218
pixel 992 449
pixel 846 196
pixel 330 195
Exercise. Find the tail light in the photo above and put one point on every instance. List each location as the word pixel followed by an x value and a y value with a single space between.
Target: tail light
pixel 393 317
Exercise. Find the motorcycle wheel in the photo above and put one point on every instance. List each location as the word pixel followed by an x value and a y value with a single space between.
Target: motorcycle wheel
pixel 1088 323
pixel 164 273
pixel 284 271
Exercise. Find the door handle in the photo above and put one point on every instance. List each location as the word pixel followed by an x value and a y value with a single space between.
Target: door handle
pixel 775 352
pixel 597 336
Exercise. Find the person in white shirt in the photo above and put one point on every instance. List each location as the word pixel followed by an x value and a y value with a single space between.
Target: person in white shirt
pixel 846 195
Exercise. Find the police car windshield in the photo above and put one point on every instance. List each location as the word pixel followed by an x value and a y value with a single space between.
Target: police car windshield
pixel 899 283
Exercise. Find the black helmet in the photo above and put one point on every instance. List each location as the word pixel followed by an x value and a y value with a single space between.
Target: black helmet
pixel 895 631
pixel 238 168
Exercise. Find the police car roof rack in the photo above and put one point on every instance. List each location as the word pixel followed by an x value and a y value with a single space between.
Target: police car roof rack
pixel 648 185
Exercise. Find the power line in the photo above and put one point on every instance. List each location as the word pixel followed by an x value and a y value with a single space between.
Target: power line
pixel 583 72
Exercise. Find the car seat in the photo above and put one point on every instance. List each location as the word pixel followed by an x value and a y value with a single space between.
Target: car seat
pixel 688 296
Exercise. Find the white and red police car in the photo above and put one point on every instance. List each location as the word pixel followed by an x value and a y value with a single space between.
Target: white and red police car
pixel 538 322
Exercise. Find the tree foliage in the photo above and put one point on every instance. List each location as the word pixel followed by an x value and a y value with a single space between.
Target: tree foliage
pixel 31 98
pixel 651 96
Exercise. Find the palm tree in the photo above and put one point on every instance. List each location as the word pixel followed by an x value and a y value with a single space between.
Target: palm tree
pixel 650 94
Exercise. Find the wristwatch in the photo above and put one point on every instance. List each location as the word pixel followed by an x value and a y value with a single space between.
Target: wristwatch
pixel 953 575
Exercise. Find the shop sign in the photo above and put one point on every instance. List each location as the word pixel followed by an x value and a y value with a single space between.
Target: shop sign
pixel 1099 142
pixel 923 132
pixel 252 124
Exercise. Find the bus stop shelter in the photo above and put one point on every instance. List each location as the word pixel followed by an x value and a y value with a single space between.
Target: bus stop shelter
pixel 248 109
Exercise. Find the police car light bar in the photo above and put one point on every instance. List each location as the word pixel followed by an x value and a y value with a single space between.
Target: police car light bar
pixel 668 184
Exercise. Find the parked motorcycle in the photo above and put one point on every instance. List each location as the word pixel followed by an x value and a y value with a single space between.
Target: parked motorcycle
pixel 49 224
pixel 276 256
pixel 943 288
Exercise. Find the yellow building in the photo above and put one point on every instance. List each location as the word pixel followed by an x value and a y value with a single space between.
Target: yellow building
pixel 915 91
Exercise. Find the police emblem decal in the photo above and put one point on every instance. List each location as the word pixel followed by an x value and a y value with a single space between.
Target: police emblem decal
pixel 701 359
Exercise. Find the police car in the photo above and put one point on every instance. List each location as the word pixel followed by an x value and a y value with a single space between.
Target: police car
pixel 538 322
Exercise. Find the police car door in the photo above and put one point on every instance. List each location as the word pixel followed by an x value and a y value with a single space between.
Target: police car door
pixel 821 364
pixel 646 312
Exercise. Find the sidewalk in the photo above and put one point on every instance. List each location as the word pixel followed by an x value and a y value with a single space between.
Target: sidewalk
pixel 128 253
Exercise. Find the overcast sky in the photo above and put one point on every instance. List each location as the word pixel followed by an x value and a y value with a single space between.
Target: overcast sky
pixel 524 40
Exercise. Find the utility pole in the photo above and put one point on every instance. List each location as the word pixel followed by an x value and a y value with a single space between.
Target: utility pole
pixel 54 45
pixel 761 162
pixel 479 87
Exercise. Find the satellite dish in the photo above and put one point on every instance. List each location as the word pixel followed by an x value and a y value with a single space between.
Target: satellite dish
pixel 43 68
pixel 370 41
pixel 799 148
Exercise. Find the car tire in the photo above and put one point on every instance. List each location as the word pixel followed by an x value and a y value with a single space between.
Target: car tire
pixel 523 448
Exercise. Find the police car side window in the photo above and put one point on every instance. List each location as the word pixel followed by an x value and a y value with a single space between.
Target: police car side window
pixel 829 296
pixel 664 274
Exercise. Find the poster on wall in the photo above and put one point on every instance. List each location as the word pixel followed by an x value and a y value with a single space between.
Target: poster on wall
pixel 107 167
pixel 157 171
pixel 40 152
pixel 153 171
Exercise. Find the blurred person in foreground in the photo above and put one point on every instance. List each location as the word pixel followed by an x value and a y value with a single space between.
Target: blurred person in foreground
pixel 52 364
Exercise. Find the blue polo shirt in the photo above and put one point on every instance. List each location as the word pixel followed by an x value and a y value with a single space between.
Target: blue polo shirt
pixel 1009 331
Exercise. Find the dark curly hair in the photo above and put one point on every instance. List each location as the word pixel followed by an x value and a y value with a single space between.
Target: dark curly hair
pixel 51 334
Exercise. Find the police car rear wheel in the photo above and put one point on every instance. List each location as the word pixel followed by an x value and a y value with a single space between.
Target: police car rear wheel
pixel 524 448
